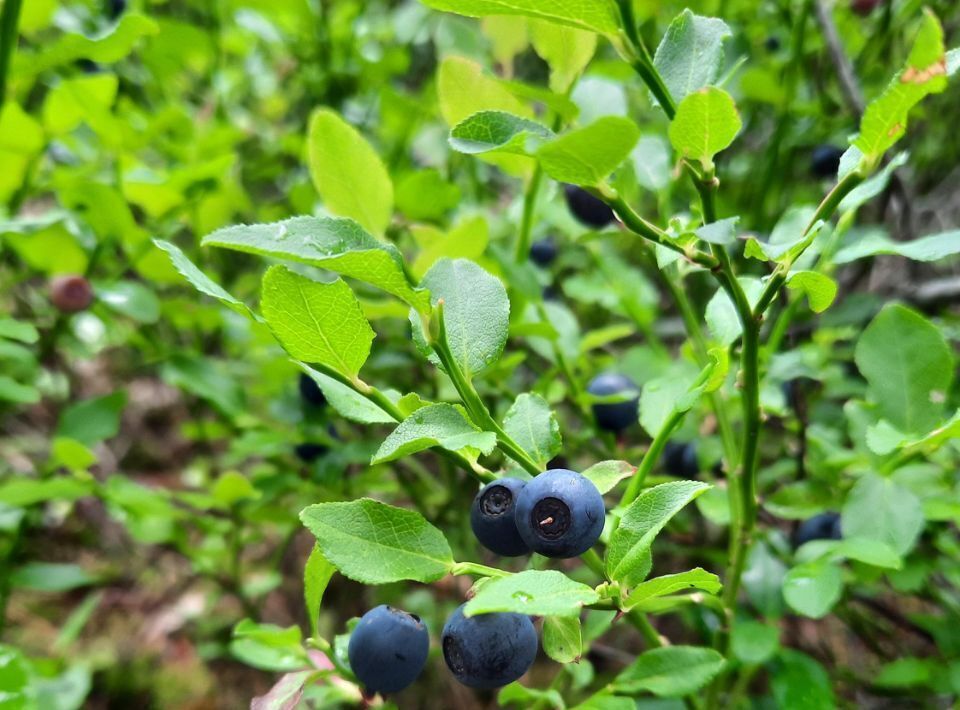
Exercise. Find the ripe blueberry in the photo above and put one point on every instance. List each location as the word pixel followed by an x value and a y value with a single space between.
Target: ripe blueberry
pixel 680 459
pixel 614 416
pixel 543 252
pixel 492 517
pixel 71 293
pixel 115 8
pixel 772 44
pixel 825 161
pixel 864 7
pixel 308 453
pixel 388 649
pixel 560 513
pixel 310 391
pixel 589 210
pixel 825 526
pixel 488 650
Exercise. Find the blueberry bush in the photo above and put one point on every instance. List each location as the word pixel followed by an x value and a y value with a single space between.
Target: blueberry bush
pixel 474 353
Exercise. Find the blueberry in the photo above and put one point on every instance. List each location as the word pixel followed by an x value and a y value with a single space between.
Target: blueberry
pixel 589 210
pixel 492 517
pixel 825 526
pixel 310 391
pixel 825 161
pixel 864 7
pixel 560 513
pixel 115 8
pixel 308 453
pixel 680 459
pixel 488 650
pixel 543 252
pixel 772 44
pixel 388 649
pixel 71 293
pixel 614 416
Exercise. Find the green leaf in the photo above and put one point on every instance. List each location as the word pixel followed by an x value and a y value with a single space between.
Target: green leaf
pixel 754 643
pixel 535 593
pixel 909 368
pixel 199 280
pixel 375 543
pixel 92 420
pixel 671 671
pixel 232 487
pixel 426 195
pixel 131 299
pixel 346 401
pixel 207 378
pixel 476 313
pixel 463 89
pixel 906 672
pixel 880 509
pixel 628 555
pixel 721 315
pixel 106 48
pixel 930 248
pixel 18 330
pixel 873 187
pixel 723 232
pixel 13 391
pixel 442 425
pixel 885 120
pixel 467 240
pixel 71 454
pixel 706 122
pixel 819 289
pixel 339 245
pixel 15 680
pixel 498 132
pixel 562 639
pixel 22 492
pixel 269 647
pixel 51 577
pixel 316 576
pixel 869 551
pixel 566 50
pixel 533 425
pixel 670 584
pixel 586 156
pixel 598 15
pixel 348 173
pixel 813 588
pixel 523 697
pixel 799 682
pixel 605 475
pixel 690 54
pixel 316 322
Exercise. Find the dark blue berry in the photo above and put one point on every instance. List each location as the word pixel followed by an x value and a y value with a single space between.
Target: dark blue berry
pixel 492 517
pixel 825 161
pixel 388 649
pixel 589 210
pixel 560 513
pixel 825 526
pixel 680 459
pixel 488 650
pixel 543 252
pixel 308 453
pixel 310 391
pixel 614 416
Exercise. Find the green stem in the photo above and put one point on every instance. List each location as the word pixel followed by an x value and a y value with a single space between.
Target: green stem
pixel 471 399
pixel 476 570
pixel 651 457
pixel 9 20
pixel 642 62
pixel 642 624
pixel 372 394
pixel 592 560
pixel 824 212
pixel 636 224
pixel 526 221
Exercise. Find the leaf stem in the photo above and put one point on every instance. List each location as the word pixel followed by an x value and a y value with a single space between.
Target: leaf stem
pixel 477 570
pixel 636 224
pixel 471 399
pixel 374 395
pixel 526 221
